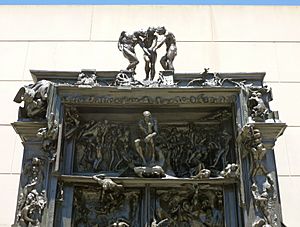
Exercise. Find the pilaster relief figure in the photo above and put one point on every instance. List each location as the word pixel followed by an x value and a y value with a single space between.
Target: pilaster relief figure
pixel 264 202
pixel 263 194
pixel 32 198
pixel 35 98
pixel 34 173
pixel 49 136
pixel 252 141
pixel 31 213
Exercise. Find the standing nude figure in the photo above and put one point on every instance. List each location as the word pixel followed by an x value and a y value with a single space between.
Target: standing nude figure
pixel 126 44
pixel 171 50
pixel 150 55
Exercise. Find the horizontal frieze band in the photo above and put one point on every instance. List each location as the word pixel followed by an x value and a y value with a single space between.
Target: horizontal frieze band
pixel 152 100
pixel 153 182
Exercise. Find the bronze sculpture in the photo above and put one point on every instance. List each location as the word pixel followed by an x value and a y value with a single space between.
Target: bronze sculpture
pixel 35 98
pixel 112 170
pixel 148 41
pixel 171 50
pixel 148 127
pixel 146 148
pixel 150 56
pixel 126 44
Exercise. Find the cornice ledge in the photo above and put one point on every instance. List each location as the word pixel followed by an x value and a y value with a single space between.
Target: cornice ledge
pixel 28 129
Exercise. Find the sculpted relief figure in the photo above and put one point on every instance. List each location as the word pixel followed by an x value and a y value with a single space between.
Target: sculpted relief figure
pixel 252 141
pixel 32 199
pixel 102 146
pixel 72 121
pixel 87 77
pixel 264 201
pixel 148 127
pixel 35 98
pixel 257 107
pixel 146 149
pixel 230 171
pixel 194 207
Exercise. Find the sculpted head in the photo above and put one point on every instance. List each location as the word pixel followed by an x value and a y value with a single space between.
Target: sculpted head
pixel 161 30
pixel 147 115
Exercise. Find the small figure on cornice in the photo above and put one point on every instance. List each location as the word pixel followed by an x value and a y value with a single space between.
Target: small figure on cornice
pixel 125 78
pixel 35 98
pixel 206 79
pixel 87 77
pixel 257 107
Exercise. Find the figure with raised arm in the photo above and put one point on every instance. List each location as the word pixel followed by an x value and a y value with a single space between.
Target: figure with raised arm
pixel 126 44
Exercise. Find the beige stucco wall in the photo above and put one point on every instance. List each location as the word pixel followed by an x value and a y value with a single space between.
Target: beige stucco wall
pixel 223 38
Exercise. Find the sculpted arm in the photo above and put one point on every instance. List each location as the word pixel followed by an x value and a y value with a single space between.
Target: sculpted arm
pixel 161 43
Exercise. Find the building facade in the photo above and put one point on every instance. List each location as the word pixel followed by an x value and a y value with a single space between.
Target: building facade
pixel 222 38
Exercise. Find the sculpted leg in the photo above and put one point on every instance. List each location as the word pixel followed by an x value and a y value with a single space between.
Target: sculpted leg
pixel 139 149
pixel 163 62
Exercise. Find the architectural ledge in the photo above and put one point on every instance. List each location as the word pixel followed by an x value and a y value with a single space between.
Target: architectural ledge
pixel 154 182
pixel 28 130
pixel 270 130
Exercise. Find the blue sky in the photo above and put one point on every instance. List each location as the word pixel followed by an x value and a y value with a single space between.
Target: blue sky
pixel 151 2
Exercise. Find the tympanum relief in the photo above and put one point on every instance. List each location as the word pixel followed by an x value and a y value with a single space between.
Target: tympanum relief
pixel 148 149
pixel 117 208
